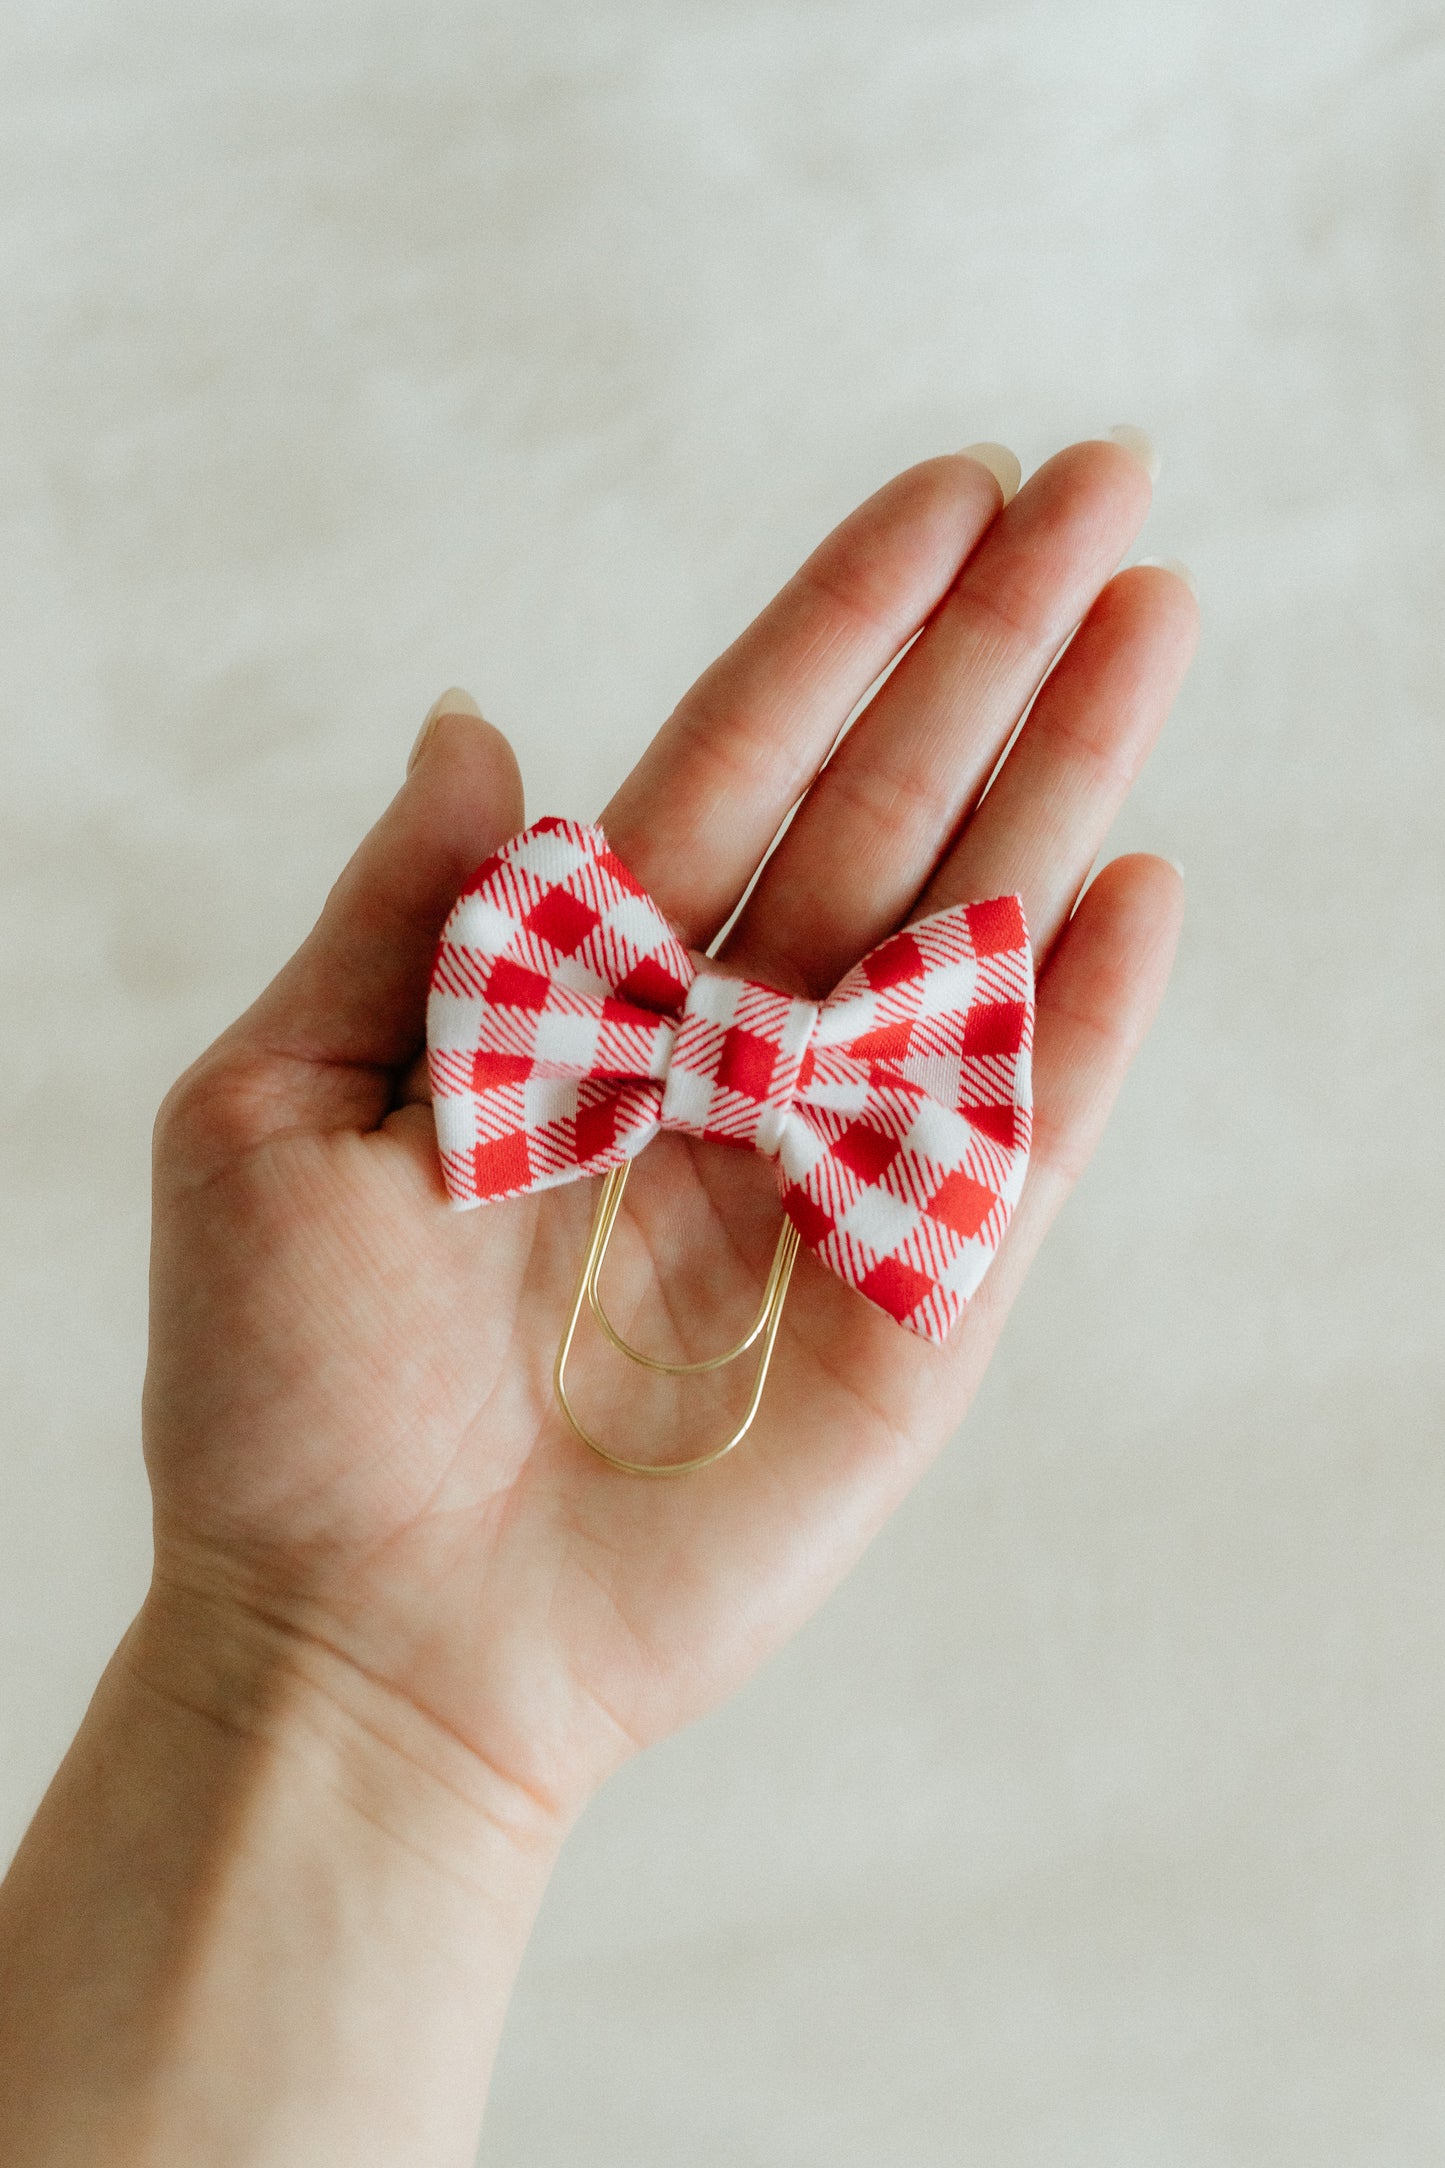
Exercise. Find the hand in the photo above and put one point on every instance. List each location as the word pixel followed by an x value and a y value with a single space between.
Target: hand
pixel 349 1417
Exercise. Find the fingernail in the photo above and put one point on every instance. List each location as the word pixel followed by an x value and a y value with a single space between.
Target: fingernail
pixel 1177 566
pixel 1139 445
pixel 454 701
pixel 1001 464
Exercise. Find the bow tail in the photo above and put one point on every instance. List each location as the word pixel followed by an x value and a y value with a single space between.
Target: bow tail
pixel 906 1202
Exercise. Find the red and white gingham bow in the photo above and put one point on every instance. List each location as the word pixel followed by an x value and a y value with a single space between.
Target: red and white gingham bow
pixel 567 1024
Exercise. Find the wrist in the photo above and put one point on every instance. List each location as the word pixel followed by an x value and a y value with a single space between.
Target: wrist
pixel 267 1913
pixel 360 1749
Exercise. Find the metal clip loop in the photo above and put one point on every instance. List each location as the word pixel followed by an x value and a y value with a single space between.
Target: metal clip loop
pixel 764 1327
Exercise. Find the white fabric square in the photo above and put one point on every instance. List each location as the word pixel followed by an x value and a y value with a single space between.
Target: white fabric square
pixel 800 1148
pixel 479 924
pixel 687 1101
pixel 456 1120
pixel 454 1022
pixel 948 989
pixel 938 1075
pixel 880 1221
pixel 963 1271
pixel 548 1099
pixel 546 854
pixel 937 1133
pixel 714 997
pixel 566 1037
pixel 841 1095
pixel 633 919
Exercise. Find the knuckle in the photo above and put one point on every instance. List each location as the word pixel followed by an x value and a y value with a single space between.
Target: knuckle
pixel 208 1118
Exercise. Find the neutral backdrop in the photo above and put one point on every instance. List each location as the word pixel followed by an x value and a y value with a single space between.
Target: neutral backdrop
pixel 353 348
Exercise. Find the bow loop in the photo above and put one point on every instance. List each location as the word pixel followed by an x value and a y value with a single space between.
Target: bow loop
pixel 567 1024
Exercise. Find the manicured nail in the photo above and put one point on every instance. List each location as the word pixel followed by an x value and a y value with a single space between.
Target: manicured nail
pixel 1139 445
pixel 1001 464
pixel 1177 566
pixel 454 701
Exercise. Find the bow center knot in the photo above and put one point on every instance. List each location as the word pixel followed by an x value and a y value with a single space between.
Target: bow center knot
pixel 736 1062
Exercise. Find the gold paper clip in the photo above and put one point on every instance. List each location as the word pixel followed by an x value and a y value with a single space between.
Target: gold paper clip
pixel 764 1327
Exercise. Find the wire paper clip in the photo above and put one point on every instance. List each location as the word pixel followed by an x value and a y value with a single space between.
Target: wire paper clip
pixel 764 1327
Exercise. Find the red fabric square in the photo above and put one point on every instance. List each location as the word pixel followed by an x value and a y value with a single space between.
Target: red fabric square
pixel 996 925
pixel 501 1165
pixel 962 1204
pixel 811 1221
pixel 746 1064
pixel 866 1151
pixel 994 1027
pixel 653 987
pixel 489 1069
pixel 890 1042
pixel 596 1127
pixel 513 986
pixel 895 960
pixel 563 919
pixel 626 1012
pixel 895 1287
pixel 1000 1123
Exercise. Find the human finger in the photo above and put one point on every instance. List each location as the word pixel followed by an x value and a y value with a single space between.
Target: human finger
pixel 698 812
pixel 1049 808
pixel 876 820
pixel 1097 997
pixel 319 1047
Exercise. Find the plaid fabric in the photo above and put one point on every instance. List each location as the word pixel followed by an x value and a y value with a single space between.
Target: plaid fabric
pixel 567 1025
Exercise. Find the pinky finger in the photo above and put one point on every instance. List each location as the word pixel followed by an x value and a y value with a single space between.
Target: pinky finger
pixel 1096 1001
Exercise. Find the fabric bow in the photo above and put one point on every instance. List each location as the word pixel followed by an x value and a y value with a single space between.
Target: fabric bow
pixel 567 1025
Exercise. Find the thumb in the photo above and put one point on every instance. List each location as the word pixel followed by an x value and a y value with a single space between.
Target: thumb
pixel 320 1046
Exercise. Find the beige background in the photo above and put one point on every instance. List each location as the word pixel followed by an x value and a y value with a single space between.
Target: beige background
pixel 352 349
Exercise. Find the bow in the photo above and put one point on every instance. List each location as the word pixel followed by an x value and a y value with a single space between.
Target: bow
pixel 567 1025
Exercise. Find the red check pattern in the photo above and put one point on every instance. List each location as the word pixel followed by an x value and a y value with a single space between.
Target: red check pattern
pixel 567 1025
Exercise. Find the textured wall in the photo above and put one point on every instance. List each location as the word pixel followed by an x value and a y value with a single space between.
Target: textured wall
pixel 353 349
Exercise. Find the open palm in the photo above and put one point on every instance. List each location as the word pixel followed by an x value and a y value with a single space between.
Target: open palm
pixel 350 1422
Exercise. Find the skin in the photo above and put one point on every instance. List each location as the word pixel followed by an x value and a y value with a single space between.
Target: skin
pixel 402 1624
